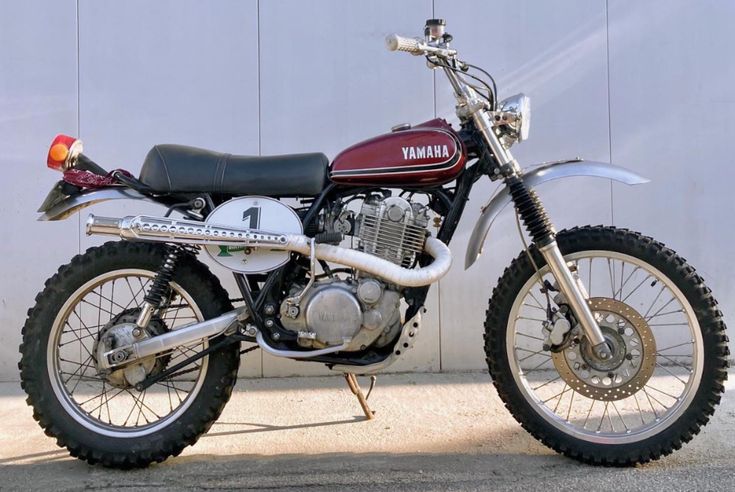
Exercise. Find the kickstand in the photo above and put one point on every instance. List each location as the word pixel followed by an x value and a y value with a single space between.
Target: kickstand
pixel 357 391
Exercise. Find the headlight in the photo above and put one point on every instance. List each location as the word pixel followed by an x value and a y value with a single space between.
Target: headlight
pixel 518 114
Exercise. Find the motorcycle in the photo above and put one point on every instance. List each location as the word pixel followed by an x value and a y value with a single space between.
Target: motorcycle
pixel 604 344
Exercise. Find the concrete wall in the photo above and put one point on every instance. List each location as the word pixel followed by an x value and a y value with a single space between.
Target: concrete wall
pixel 647 85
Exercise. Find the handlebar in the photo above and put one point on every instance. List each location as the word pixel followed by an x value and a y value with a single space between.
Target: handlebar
pixel 416 46
pixel 394 42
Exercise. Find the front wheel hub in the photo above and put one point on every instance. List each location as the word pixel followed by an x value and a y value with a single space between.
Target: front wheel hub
pixel 633 354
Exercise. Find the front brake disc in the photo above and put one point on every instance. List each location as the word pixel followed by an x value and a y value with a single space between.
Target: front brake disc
pixel 631 365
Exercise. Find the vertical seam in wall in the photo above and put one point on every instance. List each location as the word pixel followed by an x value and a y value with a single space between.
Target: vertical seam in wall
pixel 260 151
pixel 439 283
pixel 257 8
pixel 609 111
pixel 79 132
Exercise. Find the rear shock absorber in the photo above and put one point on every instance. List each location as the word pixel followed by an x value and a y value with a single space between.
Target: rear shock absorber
pixel 160 286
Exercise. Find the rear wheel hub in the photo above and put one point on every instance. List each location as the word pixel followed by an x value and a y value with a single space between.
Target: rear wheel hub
pixel 121 331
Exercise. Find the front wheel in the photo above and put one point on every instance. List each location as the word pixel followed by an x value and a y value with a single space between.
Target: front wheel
pixel 668 339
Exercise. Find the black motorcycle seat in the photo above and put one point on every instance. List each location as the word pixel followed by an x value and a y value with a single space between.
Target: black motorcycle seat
pixel 179 168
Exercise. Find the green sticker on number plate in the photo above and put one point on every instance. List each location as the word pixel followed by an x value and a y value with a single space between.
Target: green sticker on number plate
pixel 228 250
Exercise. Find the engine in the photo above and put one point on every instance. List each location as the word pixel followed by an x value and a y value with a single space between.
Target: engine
pixel 360 309
pixel 333 312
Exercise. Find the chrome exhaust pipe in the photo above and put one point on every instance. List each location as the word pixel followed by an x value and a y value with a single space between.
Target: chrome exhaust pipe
pixel 163 229
pixel 169 341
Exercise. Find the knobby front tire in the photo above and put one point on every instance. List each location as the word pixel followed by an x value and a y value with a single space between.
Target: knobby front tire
pixel 667 385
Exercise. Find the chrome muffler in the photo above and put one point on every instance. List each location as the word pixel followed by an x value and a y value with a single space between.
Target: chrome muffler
pixel 164 229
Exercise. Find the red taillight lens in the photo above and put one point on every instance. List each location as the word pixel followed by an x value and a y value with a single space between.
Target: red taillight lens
pixel 63 152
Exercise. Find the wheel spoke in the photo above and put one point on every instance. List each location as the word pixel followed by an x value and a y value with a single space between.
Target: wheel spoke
pixel 655 399
pixel 622 420
pixel 648 397
pixel 532 353
pixel 530 319
pixel 640 411
pixel 534 307
pixel 83 370
pixel 81 367
pixel 589 412
pixel 561 397
pixel 689 369
pixel 589 277
pixel 660 309
pixel 662 392
pixel 537 301
pixel 535 368
pixel 611 271
pixel 665 314
pixel 671 373
pixel 105 402
pixel 571 402
pixel 529 336
pixel 675 346
pixel 623 284
pixel 100 308
pixel 635 288
pixel 547 382
pixel 655 299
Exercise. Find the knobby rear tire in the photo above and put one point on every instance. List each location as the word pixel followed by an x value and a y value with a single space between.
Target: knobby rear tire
pixel 130 452
pixel 712 326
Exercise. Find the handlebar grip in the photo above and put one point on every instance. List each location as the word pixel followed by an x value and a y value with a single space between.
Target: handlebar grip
pixel 394 42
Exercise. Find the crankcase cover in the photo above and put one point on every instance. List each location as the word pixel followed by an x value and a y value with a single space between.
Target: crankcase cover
pixel 334 314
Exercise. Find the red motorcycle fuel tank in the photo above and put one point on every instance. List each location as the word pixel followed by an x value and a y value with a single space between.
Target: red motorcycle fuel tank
pixel 426 155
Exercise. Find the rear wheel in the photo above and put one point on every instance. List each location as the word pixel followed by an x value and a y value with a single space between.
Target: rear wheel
pixel 668 341
pixel 100 417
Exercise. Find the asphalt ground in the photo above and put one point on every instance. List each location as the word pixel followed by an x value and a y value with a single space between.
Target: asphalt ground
pixel 431 432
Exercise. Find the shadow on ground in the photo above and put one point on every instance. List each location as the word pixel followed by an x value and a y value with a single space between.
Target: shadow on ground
pixel 432 432
pixel 491 470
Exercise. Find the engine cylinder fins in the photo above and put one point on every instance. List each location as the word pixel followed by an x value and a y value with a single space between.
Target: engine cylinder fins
pixel 531 211
pixel 393 229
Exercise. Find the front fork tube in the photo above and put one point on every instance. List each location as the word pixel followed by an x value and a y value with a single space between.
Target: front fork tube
pixel 575 297
pixel 531 211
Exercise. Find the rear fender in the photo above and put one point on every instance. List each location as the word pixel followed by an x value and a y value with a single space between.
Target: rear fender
pixel 61 209
pixel 534 177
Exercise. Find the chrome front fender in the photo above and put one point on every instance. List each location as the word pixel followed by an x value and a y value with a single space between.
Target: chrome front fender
pixel 534 177
pixel 74 204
